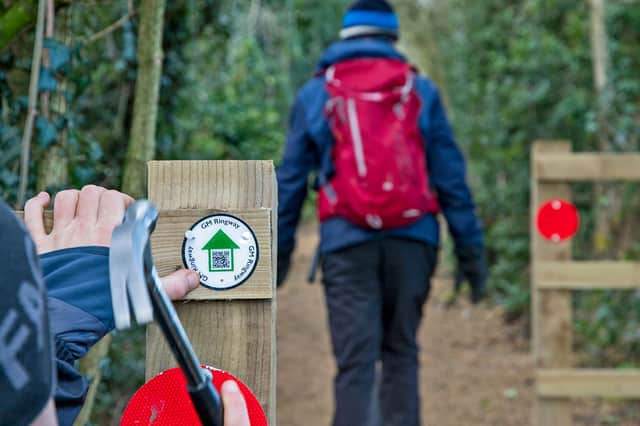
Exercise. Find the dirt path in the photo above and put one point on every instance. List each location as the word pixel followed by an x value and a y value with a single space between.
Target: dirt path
pixel 475 370
pixel 471 371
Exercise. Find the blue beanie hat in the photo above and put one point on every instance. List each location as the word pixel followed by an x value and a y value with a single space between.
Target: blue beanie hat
pixel 370 17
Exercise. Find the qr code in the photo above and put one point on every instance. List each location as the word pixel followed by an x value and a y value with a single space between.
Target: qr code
pixel 221 259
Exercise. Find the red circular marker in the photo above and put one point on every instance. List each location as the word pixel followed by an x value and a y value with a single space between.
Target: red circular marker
pixel 558 220
pixel 164 401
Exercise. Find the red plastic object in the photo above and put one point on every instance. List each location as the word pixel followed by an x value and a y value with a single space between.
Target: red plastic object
pixel 164 401
pixel 558 220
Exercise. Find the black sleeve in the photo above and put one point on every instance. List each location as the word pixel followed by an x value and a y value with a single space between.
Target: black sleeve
pixel 26 357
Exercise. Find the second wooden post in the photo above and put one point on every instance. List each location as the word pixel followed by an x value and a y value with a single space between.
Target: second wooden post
pixel 551 309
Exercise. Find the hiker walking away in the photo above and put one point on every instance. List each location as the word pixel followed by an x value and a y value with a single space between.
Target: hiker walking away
pixel 375 134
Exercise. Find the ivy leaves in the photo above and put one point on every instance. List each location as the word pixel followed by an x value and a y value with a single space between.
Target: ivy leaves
pixel 59 65
pixel 47 133
pixel 59 59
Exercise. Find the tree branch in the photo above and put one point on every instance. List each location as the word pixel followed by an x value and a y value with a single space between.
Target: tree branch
pixel 33 104
pixel 142 142
pixel 49 32
pixel 111 28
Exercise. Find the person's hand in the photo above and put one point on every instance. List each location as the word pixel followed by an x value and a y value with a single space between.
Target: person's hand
pixel 87 218
pixel 472 266
pixel 80 218
pixel 179 283
pixel 235 408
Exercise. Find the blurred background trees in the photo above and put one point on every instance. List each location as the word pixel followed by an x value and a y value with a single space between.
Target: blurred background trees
pixel 514 72
pixel 510 71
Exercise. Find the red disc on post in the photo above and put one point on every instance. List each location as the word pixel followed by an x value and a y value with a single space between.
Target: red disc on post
pixel 164 401
pixel 558 220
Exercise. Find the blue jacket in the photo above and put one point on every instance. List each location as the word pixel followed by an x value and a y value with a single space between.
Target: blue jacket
pixel 80 314
pixel 308 149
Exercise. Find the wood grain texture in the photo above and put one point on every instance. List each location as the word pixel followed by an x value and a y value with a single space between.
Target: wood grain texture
pixel 587 275
pixel 237 336
pixel 211 184
pixel 570 167
pixel 551 309
pixel 169 234
pixel 588 383
pixel 274 300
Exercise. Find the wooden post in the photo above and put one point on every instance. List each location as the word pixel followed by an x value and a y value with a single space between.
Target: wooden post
pixel 551 309
pixel 233 330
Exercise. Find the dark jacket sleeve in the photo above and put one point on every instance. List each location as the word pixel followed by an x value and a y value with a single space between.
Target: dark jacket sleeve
pixel 447 170
pixel 299 159
pixel 80 314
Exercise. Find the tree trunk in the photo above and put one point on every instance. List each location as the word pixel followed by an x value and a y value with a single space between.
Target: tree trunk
pixel 603 194
pixel 32 106
pixel 253 16
pixel 600 55
pixel 53 171
pixel 142 142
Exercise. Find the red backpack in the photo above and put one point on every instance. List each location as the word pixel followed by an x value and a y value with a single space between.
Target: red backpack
pixel 381 178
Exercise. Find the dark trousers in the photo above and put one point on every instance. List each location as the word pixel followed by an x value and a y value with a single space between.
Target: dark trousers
pixel 375 293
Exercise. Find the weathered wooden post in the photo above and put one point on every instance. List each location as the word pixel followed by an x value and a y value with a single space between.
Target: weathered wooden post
pixel 551 309
pixel 232 329
pixel 555 276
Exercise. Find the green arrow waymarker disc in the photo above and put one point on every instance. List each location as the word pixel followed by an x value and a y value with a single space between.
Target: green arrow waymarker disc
pixel 222 249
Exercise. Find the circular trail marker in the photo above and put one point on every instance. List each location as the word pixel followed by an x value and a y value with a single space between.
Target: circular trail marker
pixel 222 249
pixel 557 220
pixel 164 401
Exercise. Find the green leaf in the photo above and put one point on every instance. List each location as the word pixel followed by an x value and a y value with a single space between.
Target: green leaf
pixel 47 82
pixel 59 56
pixel 47 134
pixel 129 38
pixel 60 122
pixel 95 152
pixel 84 175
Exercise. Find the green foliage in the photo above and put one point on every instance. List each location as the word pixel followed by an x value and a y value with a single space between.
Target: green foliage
pixel 241 116
pixel 607 323
pixel 68 63
pixel 226 87
pixel 225 94
pixel 521 71
pixel 10 135
pixel 122 375
pixel 511 73
pixel 232 81
pixel 515 73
